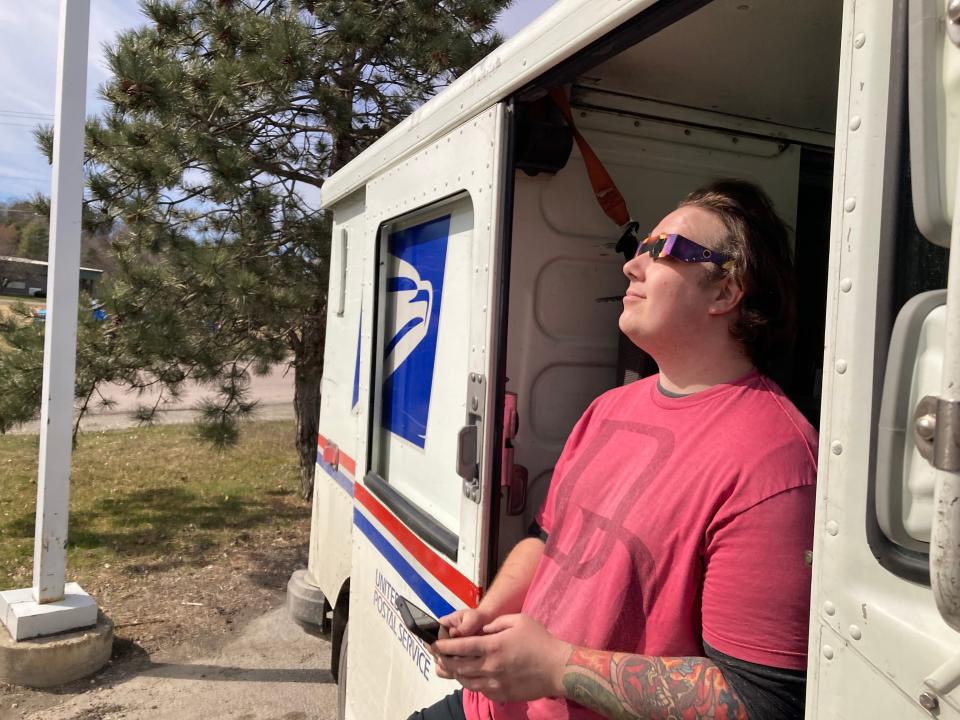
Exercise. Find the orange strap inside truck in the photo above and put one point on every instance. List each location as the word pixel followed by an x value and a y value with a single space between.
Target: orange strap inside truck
pixel 605 189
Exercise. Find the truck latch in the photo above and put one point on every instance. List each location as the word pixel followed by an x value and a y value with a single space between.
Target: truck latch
pixel 331 455
pixel 470 437
pixel 936 432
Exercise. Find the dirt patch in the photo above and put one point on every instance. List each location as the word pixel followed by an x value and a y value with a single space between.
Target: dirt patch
pixel 174 610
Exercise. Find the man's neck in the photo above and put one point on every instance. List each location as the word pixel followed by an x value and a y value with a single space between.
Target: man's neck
pixel 692 372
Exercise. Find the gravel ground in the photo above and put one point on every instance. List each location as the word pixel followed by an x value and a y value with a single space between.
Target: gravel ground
pixel 270 670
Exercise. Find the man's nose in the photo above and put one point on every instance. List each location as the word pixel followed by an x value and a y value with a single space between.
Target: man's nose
pixel 635 269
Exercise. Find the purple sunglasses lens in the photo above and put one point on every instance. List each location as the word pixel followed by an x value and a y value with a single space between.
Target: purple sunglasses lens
pixel 680 247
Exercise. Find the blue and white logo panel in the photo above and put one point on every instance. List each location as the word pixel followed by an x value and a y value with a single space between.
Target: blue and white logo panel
pixel 416 259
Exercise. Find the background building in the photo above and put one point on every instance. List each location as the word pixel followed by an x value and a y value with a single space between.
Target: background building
pixel 28 278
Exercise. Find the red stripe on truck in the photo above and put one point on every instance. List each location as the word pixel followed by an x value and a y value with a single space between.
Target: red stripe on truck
pixel 451 578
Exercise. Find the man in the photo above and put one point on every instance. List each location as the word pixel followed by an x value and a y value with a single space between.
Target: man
pixel 666 576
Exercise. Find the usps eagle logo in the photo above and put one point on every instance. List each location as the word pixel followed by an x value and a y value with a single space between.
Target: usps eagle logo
pixel 411 298
pixel 416 259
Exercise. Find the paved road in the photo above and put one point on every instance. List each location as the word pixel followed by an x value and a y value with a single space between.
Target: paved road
pixel 274 392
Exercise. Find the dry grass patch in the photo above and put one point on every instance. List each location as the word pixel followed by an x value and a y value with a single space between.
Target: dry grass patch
pixel 179 544
pixel 9 301
pixel 151 498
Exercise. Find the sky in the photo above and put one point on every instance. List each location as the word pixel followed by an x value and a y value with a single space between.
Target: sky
pixel 28 62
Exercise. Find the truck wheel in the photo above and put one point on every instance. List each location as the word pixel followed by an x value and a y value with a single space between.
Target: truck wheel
pixel 342 677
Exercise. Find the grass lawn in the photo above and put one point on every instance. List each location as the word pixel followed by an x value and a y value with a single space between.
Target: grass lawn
pixel 143 494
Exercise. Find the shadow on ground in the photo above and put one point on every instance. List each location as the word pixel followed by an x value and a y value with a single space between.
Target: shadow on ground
pixel 172 671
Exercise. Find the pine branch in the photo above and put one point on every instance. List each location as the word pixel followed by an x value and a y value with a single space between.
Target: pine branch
pixel 289 173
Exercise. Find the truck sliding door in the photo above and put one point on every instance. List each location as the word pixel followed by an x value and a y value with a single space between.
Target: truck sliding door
pixel 887 516
pixel 422 507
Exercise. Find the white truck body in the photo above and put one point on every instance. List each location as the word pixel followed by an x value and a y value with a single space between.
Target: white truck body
pixel 460 274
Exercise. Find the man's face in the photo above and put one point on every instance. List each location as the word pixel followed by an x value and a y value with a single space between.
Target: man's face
pixel 668 302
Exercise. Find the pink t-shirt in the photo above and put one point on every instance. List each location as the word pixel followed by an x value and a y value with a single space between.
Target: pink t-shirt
pixel 673 522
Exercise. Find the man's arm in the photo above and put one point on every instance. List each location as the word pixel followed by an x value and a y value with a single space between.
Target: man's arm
pixel 620 685
pixel 510 586
pixel 517 659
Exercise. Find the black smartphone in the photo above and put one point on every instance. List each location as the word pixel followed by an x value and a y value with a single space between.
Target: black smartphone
pixel 417 621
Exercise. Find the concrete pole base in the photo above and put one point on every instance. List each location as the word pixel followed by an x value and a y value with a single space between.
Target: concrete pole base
pixel 25 618
pixel 56 659
pixel 306 603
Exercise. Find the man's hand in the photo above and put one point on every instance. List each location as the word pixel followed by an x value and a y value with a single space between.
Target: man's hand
pixel 515 659
pixel 504 596
pixel 463 623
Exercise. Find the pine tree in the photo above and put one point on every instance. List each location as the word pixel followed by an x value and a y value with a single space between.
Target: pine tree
pixel 9 240
pixel 24 230
pixel 34 240
pixel 225 117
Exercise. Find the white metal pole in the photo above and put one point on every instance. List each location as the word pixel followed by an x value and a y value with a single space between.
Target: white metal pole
pixel 63 287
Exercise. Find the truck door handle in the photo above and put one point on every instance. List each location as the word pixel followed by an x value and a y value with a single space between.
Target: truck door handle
pixel 467 452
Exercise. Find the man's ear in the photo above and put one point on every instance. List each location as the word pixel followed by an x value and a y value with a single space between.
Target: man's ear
pixel 728 293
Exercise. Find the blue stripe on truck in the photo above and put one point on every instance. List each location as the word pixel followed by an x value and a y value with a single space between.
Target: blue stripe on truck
pixel 431 598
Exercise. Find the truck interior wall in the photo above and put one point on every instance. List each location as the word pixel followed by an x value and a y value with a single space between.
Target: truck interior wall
pixel 567 280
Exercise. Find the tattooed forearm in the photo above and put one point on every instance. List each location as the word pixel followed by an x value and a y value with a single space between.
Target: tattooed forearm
pixel 624 686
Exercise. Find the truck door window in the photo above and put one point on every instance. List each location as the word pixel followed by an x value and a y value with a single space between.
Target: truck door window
pixel 423 290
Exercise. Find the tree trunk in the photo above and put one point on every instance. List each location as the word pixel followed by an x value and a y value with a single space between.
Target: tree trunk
pixel 307 373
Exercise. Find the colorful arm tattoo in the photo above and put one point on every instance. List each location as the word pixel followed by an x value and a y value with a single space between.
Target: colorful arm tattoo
pixel 624 686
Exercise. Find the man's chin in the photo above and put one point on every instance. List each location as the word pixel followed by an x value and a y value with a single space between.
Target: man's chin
pixel 627 322
pixel 635 335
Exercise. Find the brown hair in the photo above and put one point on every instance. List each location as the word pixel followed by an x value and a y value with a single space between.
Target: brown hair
pixel 757 241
